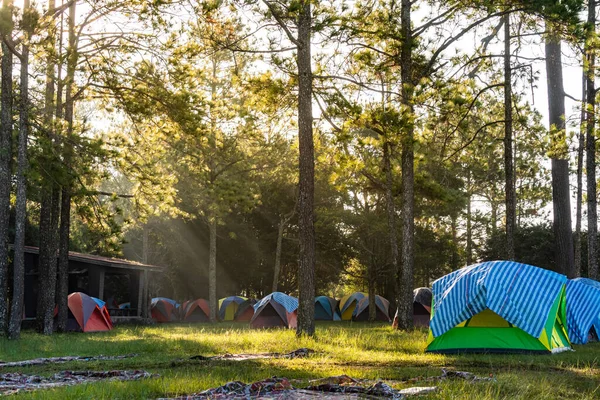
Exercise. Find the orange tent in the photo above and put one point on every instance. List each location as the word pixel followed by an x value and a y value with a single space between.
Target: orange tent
pixel 195 311
pixel 89 313
pixel 163 309
pixel 245 311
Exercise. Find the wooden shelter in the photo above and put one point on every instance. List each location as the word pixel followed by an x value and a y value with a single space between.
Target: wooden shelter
pixel 97 276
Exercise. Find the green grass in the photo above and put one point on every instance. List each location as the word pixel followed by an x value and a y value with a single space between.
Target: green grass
pixel 356 349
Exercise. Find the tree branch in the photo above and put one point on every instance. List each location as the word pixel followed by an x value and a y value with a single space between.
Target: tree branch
pixel 473 138
pixel 282 23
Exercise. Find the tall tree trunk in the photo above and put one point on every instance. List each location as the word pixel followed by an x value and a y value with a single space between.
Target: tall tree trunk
pixel 60 62
pixel 47 256
pixel 280 231
pixel 469 233
pixel 590 165
pixel 146 243
pixel 5 158
pixel 277 267
pixel 145 260
pixel 561 195
pixel 46 259
pixel 306 262
pixel 16 312
pixel 63 261
pixel 509 185
pixel 454 260
pixel 65 206
pixel 405 298
pixel 580 149
pixel 372 277
pixel 493 216
pixel 391 219
pixel 212 217
pixel 212 268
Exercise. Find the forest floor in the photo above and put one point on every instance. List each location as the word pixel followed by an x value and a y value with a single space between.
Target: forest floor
pixel 360 350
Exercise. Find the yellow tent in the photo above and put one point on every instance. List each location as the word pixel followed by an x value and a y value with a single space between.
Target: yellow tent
pixel 348 304
pixel 228 306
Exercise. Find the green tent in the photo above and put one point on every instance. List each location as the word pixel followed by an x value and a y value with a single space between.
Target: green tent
pixel 499 292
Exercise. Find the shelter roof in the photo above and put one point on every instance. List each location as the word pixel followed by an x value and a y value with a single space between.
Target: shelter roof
pixel 101 260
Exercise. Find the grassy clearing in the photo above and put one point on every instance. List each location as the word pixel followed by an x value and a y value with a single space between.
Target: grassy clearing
pixel 359 350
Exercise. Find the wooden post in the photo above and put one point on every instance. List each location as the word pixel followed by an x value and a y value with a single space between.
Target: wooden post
pixel 141 282
pixel 146 306
pixel 101 285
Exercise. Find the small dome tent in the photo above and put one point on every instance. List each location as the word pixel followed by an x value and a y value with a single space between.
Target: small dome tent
pixel 348 304
pixel 326 309
pixel 583 310
pixel 195 311
pixel 422 298
pixel 87 314
pixel 245 311
pixel 163 309
pixel 275 310
pixel 499 307
pixel 361 312
pixel 228 306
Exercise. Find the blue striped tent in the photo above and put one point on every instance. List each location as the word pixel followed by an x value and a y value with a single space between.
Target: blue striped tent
pixel 583 310
pixel 471 304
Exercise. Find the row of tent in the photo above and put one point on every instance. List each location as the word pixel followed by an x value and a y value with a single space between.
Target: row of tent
pixel 276 309
pixel 233 308
pixel 89 314
pixel 509 307
pixel 355 307
pixel 279 309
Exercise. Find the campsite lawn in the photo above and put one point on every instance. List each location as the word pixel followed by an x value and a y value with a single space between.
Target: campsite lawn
pixel 360 350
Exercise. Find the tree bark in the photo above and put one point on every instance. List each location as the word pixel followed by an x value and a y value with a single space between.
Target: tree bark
pixel 372 279
pixel 146 244
pixel 306 263
pixel 509 184
pixel 590 165
pixel 405 298
pixel 212 268
pixel 5 160
pixel 560 157
pixel 579 196
pixel 46 259
pixel 280 231
pixel 145 260
pixel 493 216
pixel 16 312
pixel 65 206
pixel 454 258
pixel 63 260
pixel 469 233
pixel 277 267
pixel 47 256
pixel 391 220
